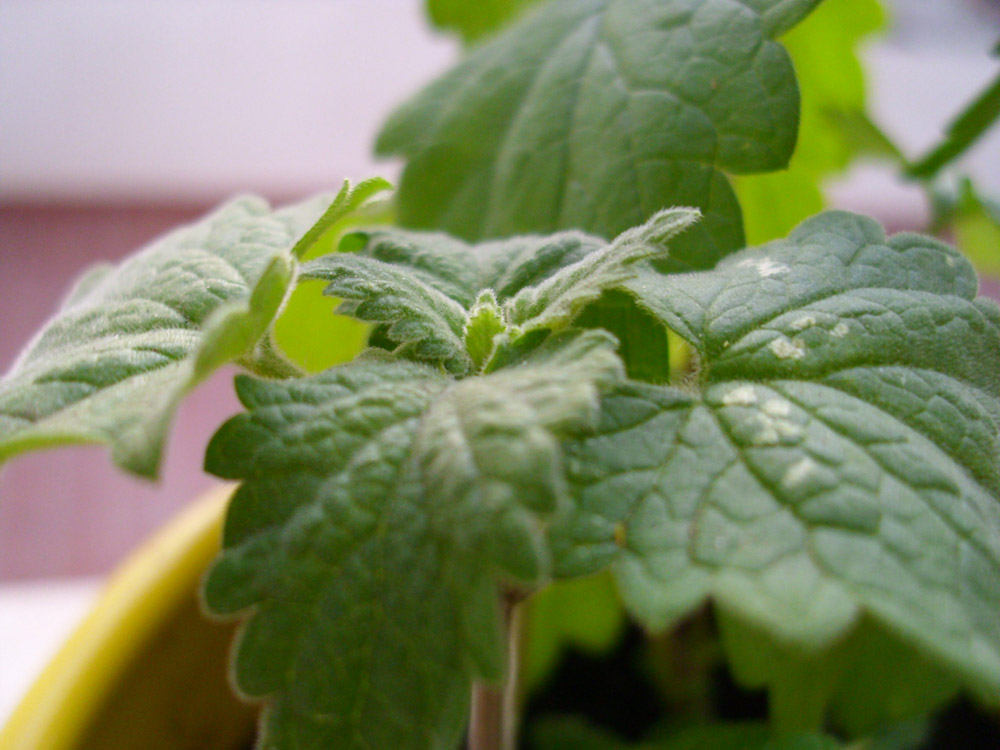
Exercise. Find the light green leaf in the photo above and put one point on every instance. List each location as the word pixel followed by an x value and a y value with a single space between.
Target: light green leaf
pixel 380 501
pixel 839 456
pixel 595 114
pixel 346 202
pixel 308 332
pixel 130 341
pixel 583 613
pixel 976 224
pixel 476 19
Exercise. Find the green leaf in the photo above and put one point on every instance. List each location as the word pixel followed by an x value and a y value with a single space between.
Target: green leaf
pixel 418 316
pixel 582 613
pixel 130 341
pixel 308 332
pixel 444 301
pixel 833 130
pixel 380 500
pixel 595 114
pixel 571 733
pixel 741 737
pixel 557 300
pixel 976 224
pixel 642 339
pixel 474 20
pixel 346 202
pixel 838 458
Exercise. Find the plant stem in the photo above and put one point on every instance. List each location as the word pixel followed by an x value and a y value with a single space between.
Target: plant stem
pixel 800 693
pixel 494 722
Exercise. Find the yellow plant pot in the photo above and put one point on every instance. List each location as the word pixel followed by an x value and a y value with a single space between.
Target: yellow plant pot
pixel 145 670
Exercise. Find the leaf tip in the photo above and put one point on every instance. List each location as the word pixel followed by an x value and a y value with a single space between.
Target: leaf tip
pixel 661 226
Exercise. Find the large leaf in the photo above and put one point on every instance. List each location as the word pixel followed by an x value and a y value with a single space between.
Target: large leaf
pixel 839 454
pixel 380 501
pixel 131 340
pixel 594 114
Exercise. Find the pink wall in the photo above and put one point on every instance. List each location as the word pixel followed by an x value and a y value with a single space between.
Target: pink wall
pixel 67 511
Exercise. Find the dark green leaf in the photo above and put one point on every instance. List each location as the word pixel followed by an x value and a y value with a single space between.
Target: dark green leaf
pixel 839 456
pixel 475 19
pixel 595 114
pixel 833 129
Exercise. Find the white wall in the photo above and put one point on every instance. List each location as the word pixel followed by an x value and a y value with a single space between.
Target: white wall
pixel 153 99
pixel 198 98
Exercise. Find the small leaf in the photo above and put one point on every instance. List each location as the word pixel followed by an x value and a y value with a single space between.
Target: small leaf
pixel 418 316
pixel 840 456
pixel 130 341
pixel 595 114
pixel 556 301
pixel 346 202
pixel 380 502
pixel 484 323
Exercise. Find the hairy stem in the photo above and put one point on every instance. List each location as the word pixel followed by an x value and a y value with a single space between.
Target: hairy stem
pixel 494 722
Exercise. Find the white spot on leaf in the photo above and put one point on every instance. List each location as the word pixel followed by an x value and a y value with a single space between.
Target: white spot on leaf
pixel 741 396
pixel 777 407
pixel 765 266
pixel 798 472
pixel 772 427
pixel 840 330
pixel 806 321
pixel 784 348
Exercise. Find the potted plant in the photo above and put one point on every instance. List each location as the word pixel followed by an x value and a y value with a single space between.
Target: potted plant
pixel 590 387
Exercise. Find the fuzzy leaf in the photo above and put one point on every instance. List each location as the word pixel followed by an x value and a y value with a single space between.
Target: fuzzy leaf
pixel 418 316
pixel 131 340
pixel 445 301
pixel 346 202
pixel 839 457
pixel 380 501
pixel 556 301
pixel 595 114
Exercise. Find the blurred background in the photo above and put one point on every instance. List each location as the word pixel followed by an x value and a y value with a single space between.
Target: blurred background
pixel 121 118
